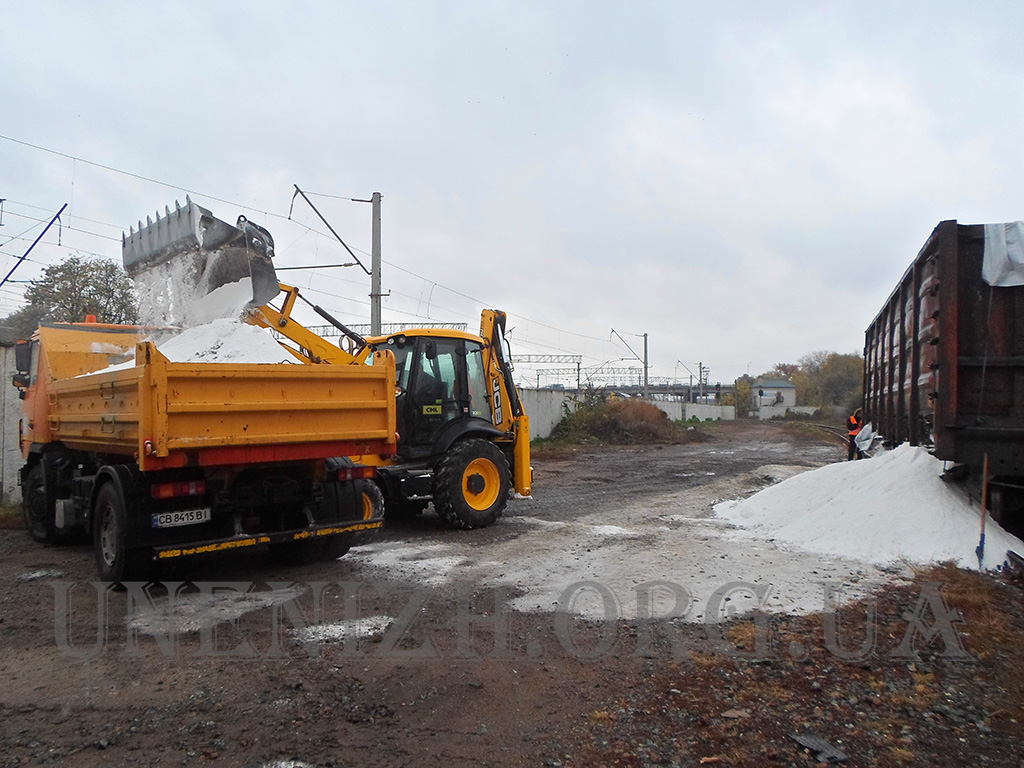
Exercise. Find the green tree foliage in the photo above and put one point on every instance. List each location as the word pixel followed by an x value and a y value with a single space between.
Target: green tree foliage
pixel 744 386
pixel 74 288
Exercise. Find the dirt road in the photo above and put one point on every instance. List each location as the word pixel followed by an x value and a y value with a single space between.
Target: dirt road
pixel 523 644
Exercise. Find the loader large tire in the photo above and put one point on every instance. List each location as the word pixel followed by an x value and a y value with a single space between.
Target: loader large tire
pixel 115 561
pixel 471 484
pixel 37 507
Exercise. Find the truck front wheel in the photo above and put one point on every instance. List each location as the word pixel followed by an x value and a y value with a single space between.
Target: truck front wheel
pixel 39 520
pixel 115 561
pixel 471 484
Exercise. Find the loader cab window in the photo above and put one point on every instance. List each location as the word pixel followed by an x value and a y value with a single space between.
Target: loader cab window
pixel 477 381
pixel 446 384
pixel 437 382
pixel 401 348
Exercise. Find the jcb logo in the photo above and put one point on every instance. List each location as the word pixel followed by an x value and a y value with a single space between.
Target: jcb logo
pixel 496 392
pixel 432 410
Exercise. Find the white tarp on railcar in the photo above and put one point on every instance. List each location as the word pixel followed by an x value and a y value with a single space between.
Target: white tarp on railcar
pixel 1003 262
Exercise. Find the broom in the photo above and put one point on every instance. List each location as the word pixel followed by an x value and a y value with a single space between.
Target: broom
pixel 980 550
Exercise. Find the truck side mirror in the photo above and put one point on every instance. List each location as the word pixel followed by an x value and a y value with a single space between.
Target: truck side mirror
pixel 23 357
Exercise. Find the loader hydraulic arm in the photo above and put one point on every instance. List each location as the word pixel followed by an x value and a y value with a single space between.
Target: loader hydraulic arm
pixel 311 347
pixel 508 413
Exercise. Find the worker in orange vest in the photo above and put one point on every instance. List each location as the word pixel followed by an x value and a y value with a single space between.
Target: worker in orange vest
pixel 853 425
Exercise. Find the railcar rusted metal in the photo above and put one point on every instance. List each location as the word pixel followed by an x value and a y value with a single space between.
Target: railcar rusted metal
pixel 944 358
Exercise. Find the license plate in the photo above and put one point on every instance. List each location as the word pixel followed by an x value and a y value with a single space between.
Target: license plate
pixel 184 517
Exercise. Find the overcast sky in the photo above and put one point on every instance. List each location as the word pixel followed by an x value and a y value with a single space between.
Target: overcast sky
pixel 745 182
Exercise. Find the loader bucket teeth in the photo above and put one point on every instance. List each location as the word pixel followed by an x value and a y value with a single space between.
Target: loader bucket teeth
pixel 220 254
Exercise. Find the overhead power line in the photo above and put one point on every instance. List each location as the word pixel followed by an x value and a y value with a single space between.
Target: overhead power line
pixel 138 176
pixel 216 198
pixel 66 226
pixel 46 229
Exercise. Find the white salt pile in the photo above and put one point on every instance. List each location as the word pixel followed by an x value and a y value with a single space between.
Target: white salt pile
pixel 883 510
pixel 221 341
pixel 224 341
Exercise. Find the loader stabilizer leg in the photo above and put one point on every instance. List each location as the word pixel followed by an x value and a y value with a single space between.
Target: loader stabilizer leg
pixel 522 473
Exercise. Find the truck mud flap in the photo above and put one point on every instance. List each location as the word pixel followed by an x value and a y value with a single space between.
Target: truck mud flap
pixel 242 542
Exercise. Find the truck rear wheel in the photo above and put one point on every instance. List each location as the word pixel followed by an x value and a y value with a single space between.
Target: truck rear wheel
pixel 115 561
pixel 38 512
pixel 371 506
pixel 373 501
pixel 471 484
pixel 297 552
pixel 404 509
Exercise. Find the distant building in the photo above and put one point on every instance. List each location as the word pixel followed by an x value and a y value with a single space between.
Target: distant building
pixel 777 393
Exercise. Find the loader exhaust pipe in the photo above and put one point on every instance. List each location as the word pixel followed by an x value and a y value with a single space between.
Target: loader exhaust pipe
pixel 216 254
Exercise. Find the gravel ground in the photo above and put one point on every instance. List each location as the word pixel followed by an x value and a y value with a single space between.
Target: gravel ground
pixel 430 647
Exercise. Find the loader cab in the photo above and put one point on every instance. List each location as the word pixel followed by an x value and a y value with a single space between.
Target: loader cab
pixel 442 389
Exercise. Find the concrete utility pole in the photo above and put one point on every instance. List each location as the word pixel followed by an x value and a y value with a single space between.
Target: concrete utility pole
pixel 645 366
pixel 375 294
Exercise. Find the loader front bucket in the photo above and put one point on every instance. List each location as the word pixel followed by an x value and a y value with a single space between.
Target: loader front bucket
pixel 212 253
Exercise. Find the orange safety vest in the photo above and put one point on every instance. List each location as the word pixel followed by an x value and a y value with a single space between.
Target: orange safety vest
pixel 854 425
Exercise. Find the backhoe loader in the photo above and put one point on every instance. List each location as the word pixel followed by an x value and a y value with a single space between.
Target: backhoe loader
pixel 463 438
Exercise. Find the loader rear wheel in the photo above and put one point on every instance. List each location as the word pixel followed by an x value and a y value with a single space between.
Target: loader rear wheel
pixel 471 484
pixel 115 561
pixel 37 509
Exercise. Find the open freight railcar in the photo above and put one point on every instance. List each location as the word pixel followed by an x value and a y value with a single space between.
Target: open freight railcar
pixel 944 359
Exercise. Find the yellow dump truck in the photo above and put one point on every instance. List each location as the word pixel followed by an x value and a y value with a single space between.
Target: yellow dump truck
pixel 158 460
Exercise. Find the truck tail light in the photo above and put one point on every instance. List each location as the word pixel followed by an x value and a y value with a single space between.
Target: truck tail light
pixel 343 474
pixel 175 490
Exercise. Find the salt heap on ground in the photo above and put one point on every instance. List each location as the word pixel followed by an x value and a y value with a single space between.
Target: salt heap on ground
pixel 890 508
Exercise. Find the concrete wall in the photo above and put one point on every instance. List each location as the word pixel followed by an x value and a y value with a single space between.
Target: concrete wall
pixel 677 410
pixel 705 412
pixel 780 411
pixel 544 407
pixel 673 408
pixel 10 413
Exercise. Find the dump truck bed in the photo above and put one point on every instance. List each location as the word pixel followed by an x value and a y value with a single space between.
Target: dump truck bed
pixel 168 414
